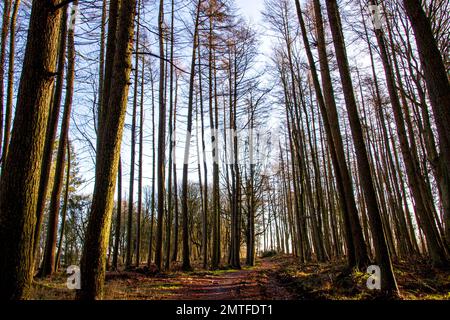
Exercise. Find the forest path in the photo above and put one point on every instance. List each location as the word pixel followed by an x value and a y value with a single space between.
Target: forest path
pixel 275 278
pixel 255 283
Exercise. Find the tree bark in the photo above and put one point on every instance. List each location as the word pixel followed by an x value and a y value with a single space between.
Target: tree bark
pixel 20 177
pixel 215 258
pixel 93 262
pixel 184 200
pixel 49 254
pixel 161 139
pixel 175 180
pixel 64 208
pixel 205 170
pixel 141 146
pixel 171 142
pixel 52 128
pixel 152 213
pixel 113 17
pixel 118 217
pixel 130 246
pixel 101 71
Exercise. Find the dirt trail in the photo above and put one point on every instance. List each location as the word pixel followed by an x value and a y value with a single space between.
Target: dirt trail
pixel 249 283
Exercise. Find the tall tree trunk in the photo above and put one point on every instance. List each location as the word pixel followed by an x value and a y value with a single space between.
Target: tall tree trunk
pixel 101 68
pixel 250 259
pixel 175 180
pixel 215 258
pixel 171 143
pixel 93 260
pixel 141 146
pixel 184 200
pixel 113 17
pixel 64 208
pixel 297 207
pixel 50 246
pixel 161 139
pixel 52 128
pixel 152 213
pixel 118 217
pixel 205 170
pixel 20 177
pixel 233 160
pixel 130 246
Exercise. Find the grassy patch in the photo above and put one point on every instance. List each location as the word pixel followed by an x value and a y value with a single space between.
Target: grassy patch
pixel 165 286
pixel 217 272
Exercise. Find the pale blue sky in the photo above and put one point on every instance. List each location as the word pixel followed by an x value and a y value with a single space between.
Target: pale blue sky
pixel 251 8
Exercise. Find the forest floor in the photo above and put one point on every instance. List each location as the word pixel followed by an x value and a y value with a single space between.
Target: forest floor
pixel 279 278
